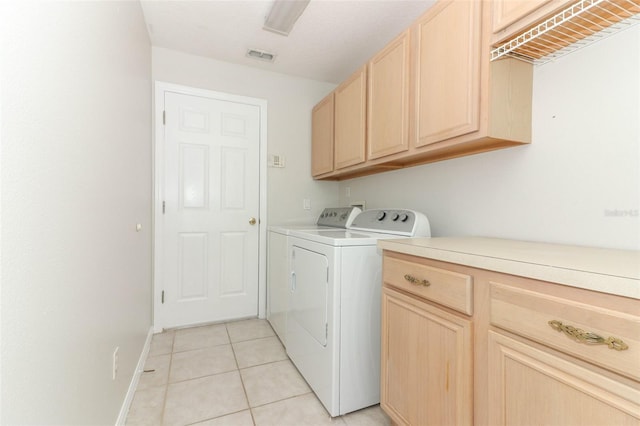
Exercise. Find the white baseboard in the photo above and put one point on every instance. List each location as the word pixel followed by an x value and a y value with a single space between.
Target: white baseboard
pixel 124 410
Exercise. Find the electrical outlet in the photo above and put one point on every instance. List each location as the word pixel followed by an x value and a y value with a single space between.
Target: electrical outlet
pixel 114 370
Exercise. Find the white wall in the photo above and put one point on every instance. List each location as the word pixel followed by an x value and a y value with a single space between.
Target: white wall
pixel 76 179
pixel 583 163
pixel 290 100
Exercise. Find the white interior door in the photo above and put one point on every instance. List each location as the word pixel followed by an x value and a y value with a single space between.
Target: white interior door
pixel 210 221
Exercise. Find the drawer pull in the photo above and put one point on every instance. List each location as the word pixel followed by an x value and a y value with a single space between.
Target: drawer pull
pixel 416 281
pixel 586 337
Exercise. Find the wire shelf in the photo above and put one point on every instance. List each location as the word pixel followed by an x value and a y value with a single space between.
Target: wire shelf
pixel 577 26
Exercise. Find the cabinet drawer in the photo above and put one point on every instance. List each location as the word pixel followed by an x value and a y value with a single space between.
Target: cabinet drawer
pixel 553 320
pixel 448 288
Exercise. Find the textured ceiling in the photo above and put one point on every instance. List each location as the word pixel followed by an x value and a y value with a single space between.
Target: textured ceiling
pixel 331 39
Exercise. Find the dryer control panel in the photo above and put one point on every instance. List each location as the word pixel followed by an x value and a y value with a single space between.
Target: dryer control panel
pixel 338 217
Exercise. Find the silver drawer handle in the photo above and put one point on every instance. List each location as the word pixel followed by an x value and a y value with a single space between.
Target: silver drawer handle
pixel 416 281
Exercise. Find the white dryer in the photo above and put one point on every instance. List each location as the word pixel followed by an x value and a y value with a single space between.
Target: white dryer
pixel 333 317
pixel 278 261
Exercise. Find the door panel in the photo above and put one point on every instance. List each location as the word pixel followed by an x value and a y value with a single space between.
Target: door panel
pixel 194 171
pixel 192 264
pixel 211 190
pixel 232 179
pixel 232 280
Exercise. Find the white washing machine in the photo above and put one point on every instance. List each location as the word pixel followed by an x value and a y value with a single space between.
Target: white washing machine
pixel 333 317
pixel 278 262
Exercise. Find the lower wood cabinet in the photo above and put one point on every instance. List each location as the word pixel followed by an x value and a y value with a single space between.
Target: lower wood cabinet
pixel 562 356
pixel 463 345
pixel 426 363
pixel 532 386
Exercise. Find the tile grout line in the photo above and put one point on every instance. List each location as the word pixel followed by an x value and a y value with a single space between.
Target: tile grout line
pixel 283 399
pixel 244 389
pixel 166 386
pixel 237 368
pixel 224 372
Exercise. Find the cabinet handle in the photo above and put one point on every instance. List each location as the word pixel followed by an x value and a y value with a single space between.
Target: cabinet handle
pixel 416 281
pixel 587 337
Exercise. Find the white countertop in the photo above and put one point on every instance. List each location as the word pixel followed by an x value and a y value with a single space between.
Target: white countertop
pixel 605 270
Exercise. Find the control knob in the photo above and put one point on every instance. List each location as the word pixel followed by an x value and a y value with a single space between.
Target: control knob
pixel 395 217
pixel 381 215
pixel 404 217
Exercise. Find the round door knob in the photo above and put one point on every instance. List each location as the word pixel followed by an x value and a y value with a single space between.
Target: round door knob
pixel 252 221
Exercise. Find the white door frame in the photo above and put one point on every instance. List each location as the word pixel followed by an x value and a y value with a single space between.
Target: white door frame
pixel 158 189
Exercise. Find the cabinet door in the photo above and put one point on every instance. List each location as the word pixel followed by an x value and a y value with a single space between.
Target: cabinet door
pixel 388 115
pixel 322 137
pixel 506 12
pixel 426 376
pixel 512 17
pixel 448 42
pixel 529 386
pixel 351 108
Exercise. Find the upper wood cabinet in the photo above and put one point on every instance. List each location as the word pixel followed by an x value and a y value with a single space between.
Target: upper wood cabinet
pixel 388 99
pixel 433 94
pixel 511 17
pixel 350 120
pixel 465 103
pixel 322 137
pixel 506 12
pixel 447 48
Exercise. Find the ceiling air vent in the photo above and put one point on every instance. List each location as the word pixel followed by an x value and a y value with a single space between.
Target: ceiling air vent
pixel 579 25
pixel 261 55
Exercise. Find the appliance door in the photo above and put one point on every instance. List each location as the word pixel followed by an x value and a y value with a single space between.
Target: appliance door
pixel 309 293
pixel 311 343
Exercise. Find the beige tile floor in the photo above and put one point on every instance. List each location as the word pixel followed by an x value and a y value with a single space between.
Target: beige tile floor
pixel 231 374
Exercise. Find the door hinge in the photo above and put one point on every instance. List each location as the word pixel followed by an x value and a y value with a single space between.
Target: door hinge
pixel 163 207
pixel 162 296
pixel 164 117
